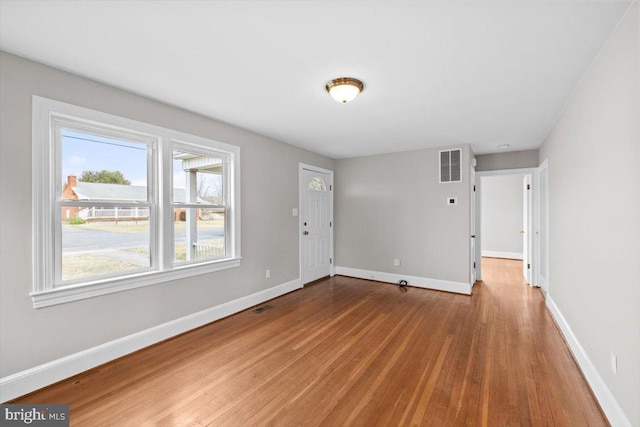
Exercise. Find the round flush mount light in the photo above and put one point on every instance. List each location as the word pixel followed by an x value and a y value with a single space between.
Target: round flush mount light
pixel 503 146
pixel 344 89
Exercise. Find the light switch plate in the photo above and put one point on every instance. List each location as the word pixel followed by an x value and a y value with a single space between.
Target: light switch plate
pixel 614 363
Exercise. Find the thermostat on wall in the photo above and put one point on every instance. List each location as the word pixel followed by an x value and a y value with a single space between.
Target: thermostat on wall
pixel 452 200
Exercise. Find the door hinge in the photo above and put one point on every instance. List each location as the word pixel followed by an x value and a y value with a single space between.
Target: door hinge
pixel 330 187
pixel 528 266
pixel 474 187
pixel 330 224
pixel 330 260
pixel 474 264
pixel 528 186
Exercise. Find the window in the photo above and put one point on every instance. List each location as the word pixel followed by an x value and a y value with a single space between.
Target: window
pixel 199 205
pixel 451 165
pixel 317 184
pixel 119 204
pixel 104 224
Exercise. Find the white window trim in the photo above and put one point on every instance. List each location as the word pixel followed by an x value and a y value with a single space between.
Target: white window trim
pixel 44 194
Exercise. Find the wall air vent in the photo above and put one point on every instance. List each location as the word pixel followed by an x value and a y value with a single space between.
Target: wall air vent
pixel 451 165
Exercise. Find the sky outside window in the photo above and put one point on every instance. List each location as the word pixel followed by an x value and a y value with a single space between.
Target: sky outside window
pixel 89 152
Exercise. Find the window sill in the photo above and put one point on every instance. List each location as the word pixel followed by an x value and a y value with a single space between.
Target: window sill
pixel 93 289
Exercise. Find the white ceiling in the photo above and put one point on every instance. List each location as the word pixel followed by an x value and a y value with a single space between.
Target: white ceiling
pixel 436 73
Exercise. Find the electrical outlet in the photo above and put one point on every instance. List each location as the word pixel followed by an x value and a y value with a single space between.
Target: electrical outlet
pixel 268 273
pixel 396 262
pixel 294 212
pixel 614 363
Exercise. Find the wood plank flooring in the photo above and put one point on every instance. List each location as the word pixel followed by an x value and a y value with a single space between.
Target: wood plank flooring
pixel 351 352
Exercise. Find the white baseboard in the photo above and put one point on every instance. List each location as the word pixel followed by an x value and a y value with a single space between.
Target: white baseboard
pixel 506 255
pixel 608 403
pixel 24 382
pixel 420 282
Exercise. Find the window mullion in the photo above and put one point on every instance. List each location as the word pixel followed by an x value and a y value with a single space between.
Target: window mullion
pixel 153 197
pixel 199 205
pixel 104 204
pixel 166 217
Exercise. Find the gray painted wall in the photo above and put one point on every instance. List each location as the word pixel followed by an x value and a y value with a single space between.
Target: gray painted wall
pixel 392 206
pixel 502 214
pixel 510 160
pixel 30 337
pixel 594 212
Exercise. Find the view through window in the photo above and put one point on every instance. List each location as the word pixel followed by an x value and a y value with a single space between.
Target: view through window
pixel 199 207
pixel 119 204
pixel 105 209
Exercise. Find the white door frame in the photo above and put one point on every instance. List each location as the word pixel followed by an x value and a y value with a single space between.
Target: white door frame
pixel 301 189
pixel 473 265
pixel 527 227
pixel 533 173
pixel 542 277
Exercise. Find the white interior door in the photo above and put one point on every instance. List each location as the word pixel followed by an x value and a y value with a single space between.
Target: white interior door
pixel 474 260
pixel 526 228
pixel 315 224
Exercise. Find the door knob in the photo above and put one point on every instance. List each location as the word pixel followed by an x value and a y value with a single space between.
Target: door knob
pixel 305 232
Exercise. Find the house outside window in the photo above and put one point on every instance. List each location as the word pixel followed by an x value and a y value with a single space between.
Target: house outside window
pixel 120 204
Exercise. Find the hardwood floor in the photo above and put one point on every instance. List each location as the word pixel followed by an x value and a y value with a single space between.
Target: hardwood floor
pixel 351 352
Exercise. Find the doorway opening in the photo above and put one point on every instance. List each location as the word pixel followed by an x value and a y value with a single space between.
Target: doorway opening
pixel 505 218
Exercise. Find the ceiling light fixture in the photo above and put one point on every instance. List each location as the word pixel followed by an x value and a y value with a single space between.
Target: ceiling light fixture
pixel 344 89
pixel 504 146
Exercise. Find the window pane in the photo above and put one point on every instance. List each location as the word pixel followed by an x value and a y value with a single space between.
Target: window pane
pixel 103 241
pixel 99 168
pixel 317 184
pixel 197 178
pixel 199 234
